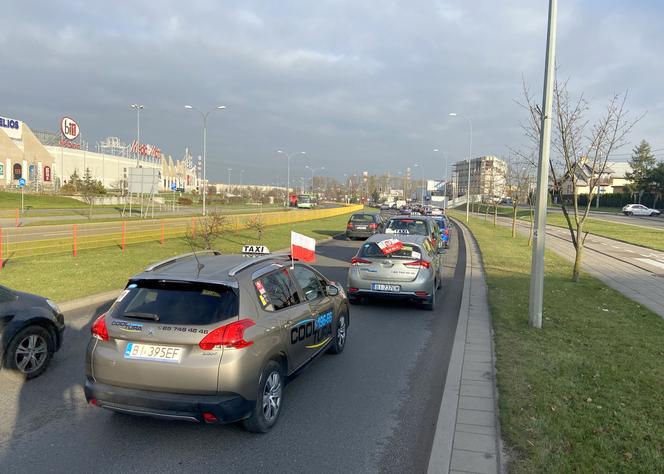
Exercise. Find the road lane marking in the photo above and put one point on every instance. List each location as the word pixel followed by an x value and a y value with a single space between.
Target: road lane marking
pixel 648 261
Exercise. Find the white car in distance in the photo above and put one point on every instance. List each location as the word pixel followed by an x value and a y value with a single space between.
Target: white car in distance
pixel 639 210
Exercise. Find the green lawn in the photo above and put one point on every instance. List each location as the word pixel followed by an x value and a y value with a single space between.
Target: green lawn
pixel 586 392
pixel 63 277
pixel 11 201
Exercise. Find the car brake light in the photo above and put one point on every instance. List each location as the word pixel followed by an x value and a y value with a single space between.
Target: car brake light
pixel 418 263
pixel 372 226
pixel 99 329
pixel 421 293
pixel 230 335
pixel 447 231
pixel 359 261
pixel 209 417
pixel 353 290
pixel 349 226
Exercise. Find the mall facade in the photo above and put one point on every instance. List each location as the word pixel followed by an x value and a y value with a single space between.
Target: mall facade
pixel 46 160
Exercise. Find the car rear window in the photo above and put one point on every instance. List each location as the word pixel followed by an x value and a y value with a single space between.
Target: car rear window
pixel 371 250
pixel 362 219
pixel 176 302
pixel 407 226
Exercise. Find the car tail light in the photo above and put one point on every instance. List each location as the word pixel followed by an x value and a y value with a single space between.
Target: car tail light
pixel 230 335
pixel 209 417
pixel 447 231
pixel 99 329
pixel 353 290
pixel 349 226
pixel 421 293
pixel 418 263
pixel 93 402
pixel 359 261
pixel 373 226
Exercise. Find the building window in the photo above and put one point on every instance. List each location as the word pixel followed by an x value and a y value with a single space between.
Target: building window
pixel 2 170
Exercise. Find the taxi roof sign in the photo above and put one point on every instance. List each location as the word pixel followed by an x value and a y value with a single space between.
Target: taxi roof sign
pixel 255 250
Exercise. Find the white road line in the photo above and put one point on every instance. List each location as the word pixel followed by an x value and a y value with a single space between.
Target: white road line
pixel 615 247
pixel 630 251
pixel 648 261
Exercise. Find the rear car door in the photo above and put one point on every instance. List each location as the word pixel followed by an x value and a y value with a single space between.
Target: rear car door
pixel 154 331
pixel 319 330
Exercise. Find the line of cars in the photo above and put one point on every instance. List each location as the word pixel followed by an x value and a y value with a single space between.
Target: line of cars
pixel 215 338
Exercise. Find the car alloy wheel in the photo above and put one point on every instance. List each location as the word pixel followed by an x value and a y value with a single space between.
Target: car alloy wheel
pixel 341 331
pixel 272 396
pixel 31 354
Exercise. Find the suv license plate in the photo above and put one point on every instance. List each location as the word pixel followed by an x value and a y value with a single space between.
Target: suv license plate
pixel 361 227
pixel 382 287
pixel 153 352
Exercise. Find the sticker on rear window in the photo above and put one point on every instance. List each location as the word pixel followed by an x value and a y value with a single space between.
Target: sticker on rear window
pixel 210 293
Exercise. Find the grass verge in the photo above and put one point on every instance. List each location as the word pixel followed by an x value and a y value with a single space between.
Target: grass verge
pixel 586 392
pixel 63 277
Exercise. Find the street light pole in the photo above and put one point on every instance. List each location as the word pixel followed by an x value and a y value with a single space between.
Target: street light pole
pixel 288 157
pixel 470 157
pixel 138 108
pixel 229 177
pixel 536 299
pixel 205 116
pixel 312 169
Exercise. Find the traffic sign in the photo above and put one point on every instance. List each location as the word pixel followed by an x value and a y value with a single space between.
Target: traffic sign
pixel 173 186
pixel 21 182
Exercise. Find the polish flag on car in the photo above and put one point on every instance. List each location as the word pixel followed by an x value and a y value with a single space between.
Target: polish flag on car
pixel 303 248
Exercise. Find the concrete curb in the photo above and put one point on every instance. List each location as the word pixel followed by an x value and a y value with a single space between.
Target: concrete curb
pixel 99 298
pixel 441 450
pixel 467 436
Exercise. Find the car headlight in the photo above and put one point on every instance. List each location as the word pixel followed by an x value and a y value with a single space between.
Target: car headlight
pixel 53 306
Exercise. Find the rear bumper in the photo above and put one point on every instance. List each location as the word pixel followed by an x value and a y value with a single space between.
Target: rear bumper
pixel 360 233
pixel 226 408
pixel 401 295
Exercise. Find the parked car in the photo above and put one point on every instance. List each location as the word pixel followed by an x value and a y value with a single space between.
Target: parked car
pixel 639 210
pixel 363 225
pixel 413 272
pixel 31 329
pixel 213 338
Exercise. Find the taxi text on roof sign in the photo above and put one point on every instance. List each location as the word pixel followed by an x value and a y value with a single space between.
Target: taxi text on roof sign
pixel 255 249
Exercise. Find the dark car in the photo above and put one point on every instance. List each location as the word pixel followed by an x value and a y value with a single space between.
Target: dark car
pixel 444 225
pixel 364 225
pixel 31 330
pixel 416 225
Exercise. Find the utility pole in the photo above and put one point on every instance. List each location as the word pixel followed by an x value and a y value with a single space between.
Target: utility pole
pixel 536 297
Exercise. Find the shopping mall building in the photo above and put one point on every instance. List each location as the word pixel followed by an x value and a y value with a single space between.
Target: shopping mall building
pixel 46 160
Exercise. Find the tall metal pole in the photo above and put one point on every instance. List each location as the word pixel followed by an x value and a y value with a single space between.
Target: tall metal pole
pixel 470 157
pixel 537 266
pixel 205 116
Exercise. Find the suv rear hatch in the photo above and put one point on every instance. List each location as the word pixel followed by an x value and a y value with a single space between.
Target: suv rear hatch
pixel 154 329
pixel 403 265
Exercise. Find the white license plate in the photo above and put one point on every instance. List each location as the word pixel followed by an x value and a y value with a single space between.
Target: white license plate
pixel 382 287
pixel 153 352
pixel 361 227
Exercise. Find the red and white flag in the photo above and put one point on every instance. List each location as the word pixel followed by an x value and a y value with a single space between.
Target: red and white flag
pixel 303 248
pixel 389 246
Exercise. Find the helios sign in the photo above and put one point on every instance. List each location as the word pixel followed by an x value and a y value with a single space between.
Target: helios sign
pixel 11 127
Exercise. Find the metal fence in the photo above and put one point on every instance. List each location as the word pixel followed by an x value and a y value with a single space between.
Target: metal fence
pixel 22 242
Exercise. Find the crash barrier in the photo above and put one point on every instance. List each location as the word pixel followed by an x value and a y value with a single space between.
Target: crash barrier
pixel 22 242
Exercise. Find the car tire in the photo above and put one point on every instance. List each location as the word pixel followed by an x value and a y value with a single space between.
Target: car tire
pixel 339 342
pixel 430 305
pixel 654 214
pixel 29 353
pixel 629 213
pixel 269 399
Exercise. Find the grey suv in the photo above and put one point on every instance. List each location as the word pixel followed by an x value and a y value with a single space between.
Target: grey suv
pixel 213 338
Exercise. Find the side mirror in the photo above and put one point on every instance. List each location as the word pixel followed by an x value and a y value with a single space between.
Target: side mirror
pixel 332 290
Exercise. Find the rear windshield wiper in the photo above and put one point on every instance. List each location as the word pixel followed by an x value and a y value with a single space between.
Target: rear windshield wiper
pixel 137 315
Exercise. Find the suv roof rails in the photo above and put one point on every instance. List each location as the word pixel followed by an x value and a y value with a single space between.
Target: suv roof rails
pixel 253 261
pixel 172 260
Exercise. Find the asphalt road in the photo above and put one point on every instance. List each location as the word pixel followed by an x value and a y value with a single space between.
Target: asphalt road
pixel 372 409
pixel 646 221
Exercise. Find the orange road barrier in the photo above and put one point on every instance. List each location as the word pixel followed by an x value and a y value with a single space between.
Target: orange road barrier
pixel 16 217
pixel 75 248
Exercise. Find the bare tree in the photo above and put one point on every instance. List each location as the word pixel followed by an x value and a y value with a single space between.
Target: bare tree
pixel 582 152
pixel 256 223
pixel 208 229
pixel 518 181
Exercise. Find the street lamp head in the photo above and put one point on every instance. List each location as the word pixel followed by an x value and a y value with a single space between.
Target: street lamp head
pixel 188 107
pixel 280 151
pixel 452 114
pixel 136 106
pixel 221 106
pixel 435 149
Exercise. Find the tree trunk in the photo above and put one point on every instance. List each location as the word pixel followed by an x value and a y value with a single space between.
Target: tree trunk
pixel 532 226
pixel 486 212
pixel 495 215
pixel 578 249
pixel 514 224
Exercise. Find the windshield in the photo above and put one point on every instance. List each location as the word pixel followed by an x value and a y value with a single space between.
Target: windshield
pixel 176 302
pixel 407 226
pixel 371 250
pixel 362 218
pixel 304 199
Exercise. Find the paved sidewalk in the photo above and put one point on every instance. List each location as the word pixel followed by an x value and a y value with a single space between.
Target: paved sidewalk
pixel 636 272
pixel 467 437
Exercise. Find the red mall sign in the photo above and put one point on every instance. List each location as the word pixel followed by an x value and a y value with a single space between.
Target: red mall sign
pixel 146 149
pixel 47 173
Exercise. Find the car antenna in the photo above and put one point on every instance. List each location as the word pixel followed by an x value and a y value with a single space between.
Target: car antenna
pixel 199 265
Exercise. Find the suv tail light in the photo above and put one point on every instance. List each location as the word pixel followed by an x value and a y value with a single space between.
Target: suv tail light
pixel 230 335
pixel 349 226
pixel 99 329
pixel 359 261
pixel 373 226
pixel 418 263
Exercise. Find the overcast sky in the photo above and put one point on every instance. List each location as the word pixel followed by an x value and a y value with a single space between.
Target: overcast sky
pixel 358 85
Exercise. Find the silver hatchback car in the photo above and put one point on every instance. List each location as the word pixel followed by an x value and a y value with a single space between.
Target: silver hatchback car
pixel 213 338
pixel 412 272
